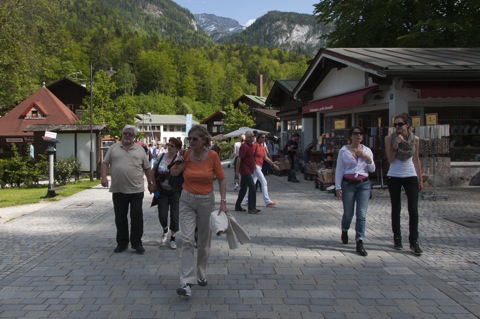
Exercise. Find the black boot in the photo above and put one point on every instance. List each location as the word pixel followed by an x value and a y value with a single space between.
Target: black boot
pixel 415 248
pixel 397 242
pixel 344 237
pixel 360 249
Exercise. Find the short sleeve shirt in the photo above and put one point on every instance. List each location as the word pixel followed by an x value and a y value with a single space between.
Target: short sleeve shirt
pixel 247 165
pixel 127 168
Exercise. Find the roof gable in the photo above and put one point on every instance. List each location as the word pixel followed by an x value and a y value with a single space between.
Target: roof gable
pixel 53 111
pixel 35 110
pixel 251 100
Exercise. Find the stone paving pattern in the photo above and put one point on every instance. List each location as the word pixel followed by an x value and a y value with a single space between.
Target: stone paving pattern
pixel 57 261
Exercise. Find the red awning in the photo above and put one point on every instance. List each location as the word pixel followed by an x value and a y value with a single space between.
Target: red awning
pixel 447 89
pixel 341 101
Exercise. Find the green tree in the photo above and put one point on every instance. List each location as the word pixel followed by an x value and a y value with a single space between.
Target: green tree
pixel 103 108
pixel 16 168
pixel 237 117
pixel 401 23
pixel 125 79
pixel 28 32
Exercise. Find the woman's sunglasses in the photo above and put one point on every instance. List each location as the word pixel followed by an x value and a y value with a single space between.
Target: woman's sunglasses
pixel 399 124
pixel 193 139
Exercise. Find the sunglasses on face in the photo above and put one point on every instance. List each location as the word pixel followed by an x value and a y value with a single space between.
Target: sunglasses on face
pixel 128 134
pixel 193 139
pixel 399 124
pixel 357 133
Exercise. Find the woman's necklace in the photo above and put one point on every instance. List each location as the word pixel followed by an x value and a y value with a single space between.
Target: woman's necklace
pixel 355 149
pixel 199 158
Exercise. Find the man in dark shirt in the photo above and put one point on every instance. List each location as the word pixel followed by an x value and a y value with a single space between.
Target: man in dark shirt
pixel 292 147
pixel 245 168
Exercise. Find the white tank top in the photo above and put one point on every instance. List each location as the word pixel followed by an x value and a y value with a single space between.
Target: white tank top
pixel 400 168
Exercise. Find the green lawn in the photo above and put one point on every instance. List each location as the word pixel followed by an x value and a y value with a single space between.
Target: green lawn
pixel 22 196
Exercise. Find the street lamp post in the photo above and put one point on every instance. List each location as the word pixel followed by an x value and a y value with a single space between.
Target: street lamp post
pixel 110 73
pixel 92 160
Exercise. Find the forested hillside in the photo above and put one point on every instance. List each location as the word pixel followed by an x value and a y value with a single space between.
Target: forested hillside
pixel 164 63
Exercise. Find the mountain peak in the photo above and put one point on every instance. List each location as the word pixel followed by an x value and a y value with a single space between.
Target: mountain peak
pixel 218 27
pixel 285 30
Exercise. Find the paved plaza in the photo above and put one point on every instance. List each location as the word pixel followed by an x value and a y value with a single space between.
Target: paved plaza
pixel 57 261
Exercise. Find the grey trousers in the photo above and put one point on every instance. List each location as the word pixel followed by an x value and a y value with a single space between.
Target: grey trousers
pixel 195 211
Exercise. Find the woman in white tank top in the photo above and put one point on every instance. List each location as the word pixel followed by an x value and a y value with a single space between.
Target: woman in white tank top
pixel 405 171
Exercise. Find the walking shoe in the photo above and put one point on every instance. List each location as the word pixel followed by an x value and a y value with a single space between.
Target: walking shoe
pixel 236 187
pixel 240 209
pixel 397 243
pixel 202 282
pixel 164 237
pixel 295 180
pixel 360 249
pixel 345 237
pixel 253 211
pixel 173 244
pixel 271 204
pixel 184 290
pixel 120 248
pixel 139 249
pixel 415 248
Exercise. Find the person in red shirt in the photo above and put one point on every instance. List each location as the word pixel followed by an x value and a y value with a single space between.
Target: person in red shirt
pixel 245 168
pixel 260 155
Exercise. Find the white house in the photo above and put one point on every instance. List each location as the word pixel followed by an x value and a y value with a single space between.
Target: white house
pixel 160 128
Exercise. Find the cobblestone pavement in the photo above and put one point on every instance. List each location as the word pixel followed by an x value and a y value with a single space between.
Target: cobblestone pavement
pixel 57 261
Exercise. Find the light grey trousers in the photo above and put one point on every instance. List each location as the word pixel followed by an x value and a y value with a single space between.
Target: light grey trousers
pixel 195 212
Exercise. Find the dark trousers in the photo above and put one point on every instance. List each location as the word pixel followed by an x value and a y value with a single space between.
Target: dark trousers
pixel 246 181
pixel 411 186
pixel 121 204
pixel 291 172
pixel 165 202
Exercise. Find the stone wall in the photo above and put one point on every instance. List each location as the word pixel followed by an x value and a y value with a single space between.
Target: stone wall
pixel 464 174
pixel 448 173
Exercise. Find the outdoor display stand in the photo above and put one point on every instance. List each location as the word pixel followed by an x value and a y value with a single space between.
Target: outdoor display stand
pixel 330 144
pixel 434 143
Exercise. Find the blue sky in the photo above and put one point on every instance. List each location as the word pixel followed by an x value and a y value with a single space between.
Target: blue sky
pixel 244 11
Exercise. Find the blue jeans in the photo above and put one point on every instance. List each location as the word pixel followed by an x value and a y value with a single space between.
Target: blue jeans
pixel 359 194
pixel 411 187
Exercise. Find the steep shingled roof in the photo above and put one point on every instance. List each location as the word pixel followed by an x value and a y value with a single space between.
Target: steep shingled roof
pixel 48 106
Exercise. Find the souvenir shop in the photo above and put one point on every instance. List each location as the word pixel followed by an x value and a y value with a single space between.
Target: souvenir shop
pixel 367 87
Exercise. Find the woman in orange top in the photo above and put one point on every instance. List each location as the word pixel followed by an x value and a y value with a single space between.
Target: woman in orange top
pixel 200 167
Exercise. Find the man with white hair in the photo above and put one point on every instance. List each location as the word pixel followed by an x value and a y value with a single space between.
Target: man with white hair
pixel 128 162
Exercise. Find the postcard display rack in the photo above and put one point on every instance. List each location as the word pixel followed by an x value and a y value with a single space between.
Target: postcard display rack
pixel 434 145
pixel 330 144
